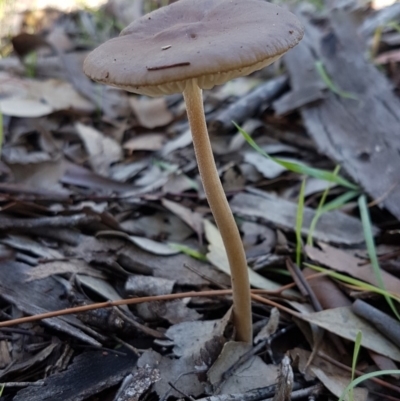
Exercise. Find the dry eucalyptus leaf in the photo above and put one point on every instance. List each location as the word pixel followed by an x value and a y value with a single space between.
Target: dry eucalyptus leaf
pixel 61 267
pixel 217 256
pixel 191 218
pixel 195 338
pixel 182 373
pixel 181 141
pixel 160 225
pixel 23 243
pixel 41 296
pixel 174 312
pixel 102 288
pixel 197 345
pixel 179 183
pixel 284 385
pixel 333 378
pixel 145 286
pixel 332 226
pixel 343 322
pixel 253 373
pixel 270 328
pixel 23 107
pixel 137 383
pixel 233 179
pixel 147 142
pixel 151 112
pixel 315 185
pixel 42 175
pixel 341 261
pixel 157 248
pixel 60 95
pixel 102 150
pixel 268 168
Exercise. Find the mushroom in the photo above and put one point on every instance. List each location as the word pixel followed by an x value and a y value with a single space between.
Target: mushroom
pixel 192 45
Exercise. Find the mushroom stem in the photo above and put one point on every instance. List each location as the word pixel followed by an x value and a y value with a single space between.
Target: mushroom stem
pixel 221 211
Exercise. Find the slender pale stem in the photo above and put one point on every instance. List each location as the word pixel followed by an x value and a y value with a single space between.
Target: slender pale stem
pixel 221 211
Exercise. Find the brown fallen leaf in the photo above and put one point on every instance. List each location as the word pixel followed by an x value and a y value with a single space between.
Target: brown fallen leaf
pixel 252 374
pixel 151 113
pixel 343 322
pixel 333 378
pixel 43 270
pixel 102 150
pixel 343 262
pixel 148 142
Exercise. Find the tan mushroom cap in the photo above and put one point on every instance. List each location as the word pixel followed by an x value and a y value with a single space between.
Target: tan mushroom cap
pixel 210 40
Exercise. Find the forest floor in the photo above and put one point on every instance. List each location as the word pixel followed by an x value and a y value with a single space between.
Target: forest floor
pixel 101 201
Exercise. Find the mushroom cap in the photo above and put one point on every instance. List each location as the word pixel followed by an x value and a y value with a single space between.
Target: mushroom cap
pixel 212 41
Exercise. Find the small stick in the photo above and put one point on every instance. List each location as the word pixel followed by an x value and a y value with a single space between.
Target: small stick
pixel 164 67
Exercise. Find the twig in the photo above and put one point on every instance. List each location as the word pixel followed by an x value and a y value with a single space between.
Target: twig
pixel 261 394
pixel 7 223
pixel 358 372
pixel 23 384
pixel 168 297
pixel 205 277
pixel 248 105
pixel 134 301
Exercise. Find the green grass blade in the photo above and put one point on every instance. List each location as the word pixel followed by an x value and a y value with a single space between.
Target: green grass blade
pixel 188 251
pixel 357 346
pixel 299 222
pixel 328 82
pixel 298 167
pixel 369 240
pixel 340 201
pixel 318 212
pixel 336 203
pixel 353 281
pixel 367 376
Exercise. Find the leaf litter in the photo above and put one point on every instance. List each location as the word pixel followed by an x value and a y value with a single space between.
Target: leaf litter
pixel 101 200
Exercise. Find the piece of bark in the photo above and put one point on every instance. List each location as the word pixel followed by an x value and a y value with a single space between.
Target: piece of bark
pixel 40 296
pixel 8 223
pixel 248 105
pixel 380 19
pixel 361 134
pixel 296 99
pixel 388 326
pixel 328 293
pixel 90 373
pixel 343 262
pixel 333 227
